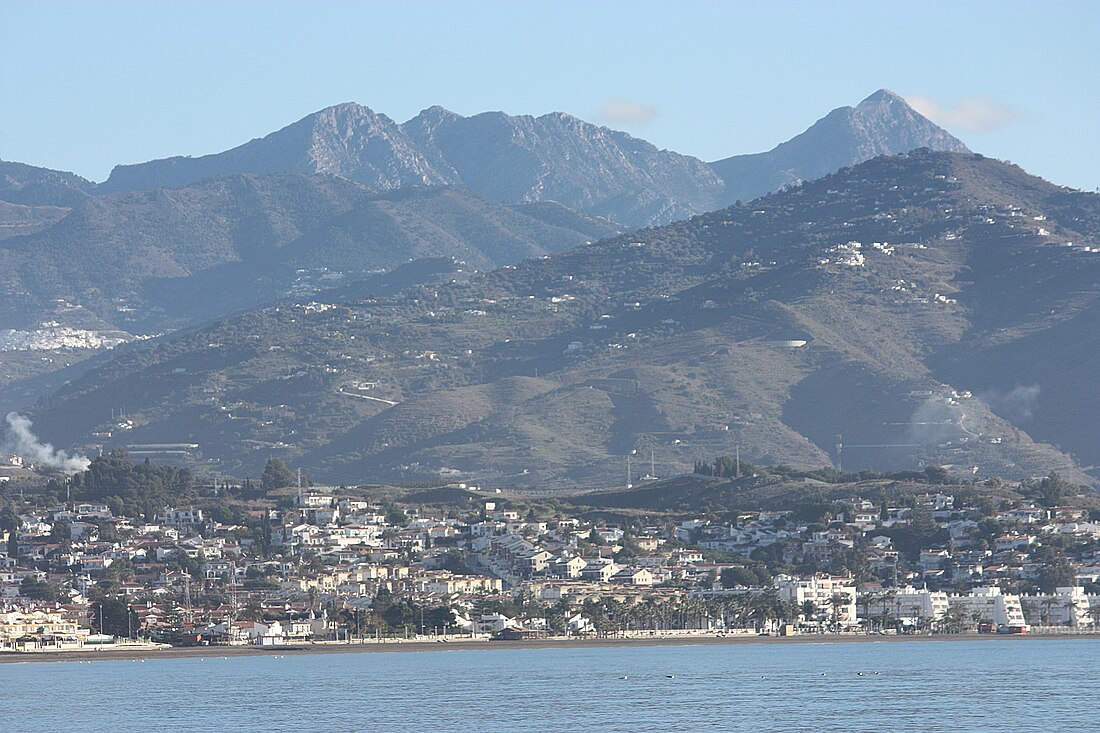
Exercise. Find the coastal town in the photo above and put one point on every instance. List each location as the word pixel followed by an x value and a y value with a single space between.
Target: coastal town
pixel 326 564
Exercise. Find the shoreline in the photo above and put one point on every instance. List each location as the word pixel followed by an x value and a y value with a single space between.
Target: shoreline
pixel 427 646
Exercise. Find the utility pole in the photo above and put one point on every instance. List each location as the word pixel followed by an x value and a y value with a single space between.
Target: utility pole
pixel 839 451
pixel 232 598
pixel 187 594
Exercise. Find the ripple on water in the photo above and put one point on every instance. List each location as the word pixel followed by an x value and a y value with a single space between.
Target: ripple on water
pixel 1019 685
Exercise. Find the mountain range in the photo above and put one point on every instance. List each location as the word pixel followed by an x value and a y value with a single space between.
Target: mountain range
pixel 882 124
pixel 554 157
pixel 167 243
pixel 150 261
pixel 926 308
pixel 455 296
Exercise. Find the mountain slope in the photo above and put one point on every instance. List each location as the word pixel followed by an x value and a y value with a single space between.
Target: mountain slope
pixel 882 124
pixel 558 157
pixel 867 304
pixel 159 259
pixel 346 140
pixel 28 185
pixel 554 157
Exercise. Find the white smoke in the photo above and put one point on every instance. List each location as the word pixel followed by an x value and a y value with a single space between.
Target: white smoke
pixel 21 441
pixel 1017 404
pixel 934 421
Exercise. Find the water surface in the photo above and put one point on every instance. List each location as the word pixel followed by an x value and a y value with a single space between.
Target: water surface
pixel 1000 685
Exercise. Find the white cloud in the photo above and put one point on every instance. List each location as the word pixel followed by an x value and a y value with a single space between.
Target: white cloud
pixel 625 112
pixel 977 113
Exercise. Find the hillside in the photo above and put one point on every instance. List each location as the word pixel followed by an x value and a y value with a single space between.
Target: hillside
pixel 557 157
pixel 512 159
pixel 769 490
pixel 28 185
pixel 552 157
pixel 155 260
pixel 882 124
pixel 346 140
pixel 925 307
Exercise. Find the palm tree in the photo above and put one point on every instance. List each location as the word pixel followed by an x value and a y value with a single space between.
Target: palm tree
pixel 1071 611
pixel 731 611
pixel 887 598
pixel 809 610
pixel 1094 614
pixel 789 610
pixel 864 600
pixel 838 601
pixel 1045 616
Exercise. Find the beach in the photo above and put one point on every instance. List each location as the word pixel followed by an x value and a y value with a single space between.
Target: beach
pixel 87 654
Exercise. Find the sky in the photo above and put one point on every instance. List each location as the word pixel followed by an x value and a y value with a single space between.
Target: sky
pixel 88 85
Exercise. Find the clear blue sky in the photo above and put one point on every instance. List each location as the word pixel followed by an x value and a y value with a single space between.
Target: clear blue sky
pixel 86 85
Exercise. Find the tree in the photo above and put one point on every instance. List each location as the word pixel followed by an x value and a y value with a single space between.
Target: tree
pixel 396 516
pixel 276 476
pixel 1094 614
pixel 937 475
pixel 838 601
pixel 1053 489
pixel 1057 573
pixel 735 577
pixel 38 590
pixel 954 619
pixel 130 489
pixel 10 523
pixel 113 616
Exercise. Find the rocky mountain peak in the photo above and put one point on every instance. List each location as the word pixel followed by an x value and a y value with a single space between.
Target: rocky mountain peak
pixel 882 124
pixel 551 157
pixel 883 96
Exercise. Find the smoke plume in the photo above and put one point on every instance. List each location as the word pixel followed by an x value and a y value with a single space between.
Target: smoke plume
pixel 1017 404
pixel 934 421
pixel 21 441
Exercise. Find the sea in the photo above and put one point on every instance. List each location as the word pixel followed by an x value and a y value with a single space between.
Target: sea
pixel 963 686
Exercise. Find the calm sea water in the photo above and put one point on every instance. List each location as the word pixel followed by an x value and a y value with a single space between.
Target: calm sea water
pixel 1008 685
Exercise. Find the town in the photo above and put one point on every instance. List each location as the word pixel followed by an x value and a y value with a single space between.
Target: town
pixel 325 564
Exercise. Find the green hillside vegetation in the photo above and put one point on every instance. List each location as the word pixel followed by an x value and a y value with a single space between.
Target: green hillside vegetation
pixel 782 488
pixel 131 489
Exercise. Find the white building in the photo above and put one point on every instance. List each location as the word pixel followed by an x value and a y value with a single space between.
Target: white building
pixel 989 605
pixel 188 517
pixel 908 606
pixel 821 590
pixel 1068 606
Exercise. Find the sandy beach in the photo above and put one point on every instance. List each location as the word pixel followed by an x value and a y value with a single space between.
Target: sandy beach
pixel 459 643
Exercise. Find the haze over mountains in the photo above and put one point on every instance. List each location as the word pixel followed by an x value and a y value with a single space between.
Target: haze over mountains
pixel 156 260
pixel 932 307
